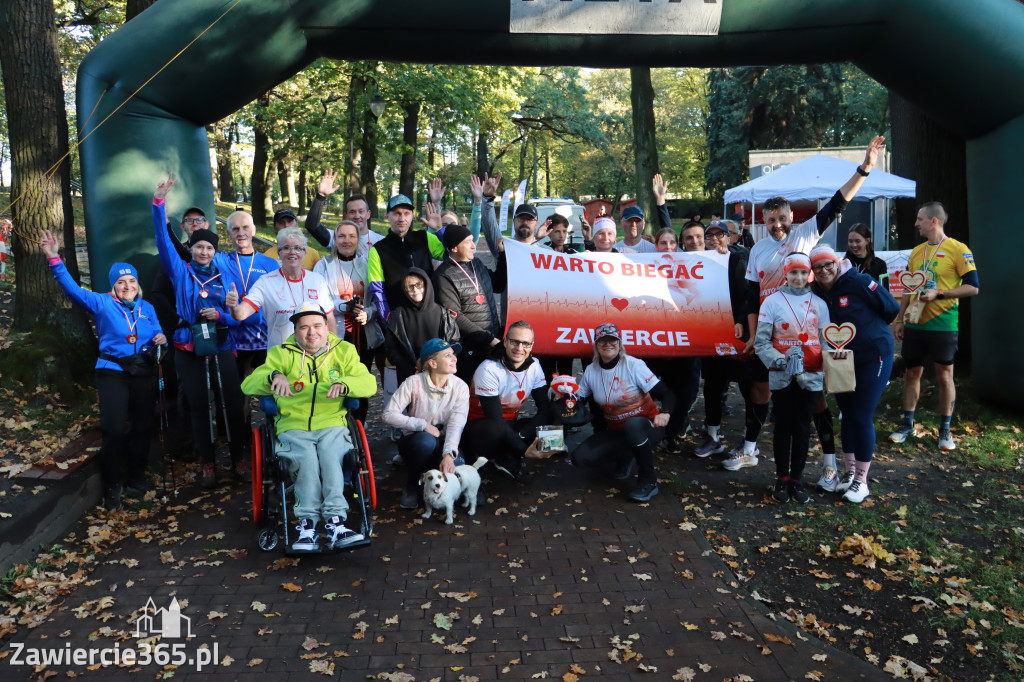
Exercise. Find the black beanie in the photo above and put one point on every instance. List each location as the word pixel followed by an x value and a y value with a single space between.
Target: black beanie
pixel 454 235
pixel 204 235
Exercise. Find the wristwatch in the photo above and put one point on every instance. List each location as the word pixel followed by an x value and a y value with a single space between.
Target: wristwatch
pixel 941 294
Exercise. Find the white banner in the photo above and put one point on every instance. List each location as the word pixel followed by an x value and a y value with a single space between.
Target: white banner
pixel 616 17
pixel 665 304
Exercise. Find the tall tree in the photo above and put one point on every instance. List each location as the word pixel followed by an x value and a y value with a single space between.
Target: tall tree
pixel 645 144
pixel 410 137
pixel 262 205
pixel 37 123
pixel 133 8
pixel 221 133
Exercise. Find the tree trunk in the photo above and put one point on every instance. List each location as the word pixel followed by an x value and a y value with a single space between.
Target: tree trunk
pixel 225 164
pixel 38 132
pixel 937 159
pixel 133 8
pixel 547 169
pixel 645 145
pixel 523 149
pixel 286 180
pixel 261 203
pixel 356 88
pixel 483 166
pixel 410 135
pixel 302 187
pixel 368 161
pixel 430 174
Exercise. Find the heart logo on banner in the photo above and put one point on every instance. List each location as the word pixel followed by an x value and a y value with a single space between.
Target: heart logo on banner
pixel 620 304
pixel 839 334
pixel 802 336
pixel 520 394
pixel 912 281
pixel 784 325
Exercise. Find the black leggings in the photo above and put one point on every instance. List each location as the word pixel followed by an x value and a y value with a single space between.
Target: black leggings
pixel 682 376
pixel 125 399
pixel 637 438
pixel 497 438
pixel 191 371
pixel 794 408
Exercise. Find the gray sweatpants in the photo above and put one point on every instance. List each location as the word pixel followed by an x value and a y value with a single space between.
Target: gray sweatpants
pixel 315 463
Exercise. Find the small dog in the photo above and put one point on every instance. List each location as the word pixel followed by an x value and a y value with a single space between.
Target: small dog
pixel 441 491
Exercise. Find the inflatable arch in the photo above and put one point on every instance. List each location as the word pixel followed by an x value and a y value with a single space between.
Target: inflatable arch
pixel 962 64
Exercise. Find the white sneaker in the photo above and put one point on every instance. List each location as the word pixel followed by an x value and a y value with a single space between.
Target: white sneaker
pixel 845 481
pixel 903 434
pixel 857 493
pixel 739 460
pixel 308 540
pixel 340 536
pixel 829 479
pixel 946 441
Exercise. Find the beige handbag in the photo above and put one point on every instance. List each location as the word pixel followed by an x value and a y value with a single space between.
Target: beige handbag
pixel 840 376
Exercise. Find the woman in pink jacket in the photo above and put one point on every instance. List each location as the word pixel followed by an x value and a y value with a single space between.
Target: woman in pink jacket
pixel 431 408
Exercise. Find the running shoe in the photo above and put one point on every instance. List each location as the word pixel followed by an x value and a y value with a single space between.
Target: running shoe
pixel 644 491
pixel 857 493
pixel 829 479
pixel 740 460
pixel 514 469
pixel 781 492
pixel 946 441
pixel 845 481
pixel 797 492
pixel 903 434
pixel 710 447
pixel 625 468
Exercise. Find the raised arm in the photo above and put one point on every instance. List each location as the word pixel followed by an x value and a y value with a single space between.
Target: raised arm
pixel 325 189
pixel 660 192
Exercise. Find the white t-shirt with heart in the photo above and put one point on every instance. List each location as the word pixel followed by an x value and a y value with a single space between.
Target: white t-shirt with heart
pixel 493 378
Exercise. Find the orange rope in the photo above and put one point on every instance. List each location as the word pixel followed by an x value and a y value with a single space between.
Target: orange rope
pixel 53 169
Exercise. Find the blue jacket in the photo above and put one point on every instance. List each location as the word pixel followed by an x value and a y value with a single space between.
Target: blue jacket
pixel 859 299
pixel 186 289
pixel 109 313
pixel 236 269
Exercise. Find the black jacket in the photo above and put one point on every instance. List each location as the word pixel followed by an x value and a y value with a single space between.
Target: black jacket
pixel 401 351
pixel 479 323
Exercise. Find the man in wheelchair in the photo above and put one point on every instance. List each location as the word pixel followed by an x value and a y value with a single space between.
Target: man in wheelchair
pixel 310 375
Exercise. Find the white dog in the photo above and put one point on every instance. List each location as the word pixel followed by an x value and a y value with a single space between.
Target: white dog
pixel 441 491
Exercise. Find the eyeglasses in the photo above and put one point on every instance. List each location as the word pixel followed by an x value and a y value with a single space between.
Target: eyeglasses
pixel 520 342
pixel 822 267
pixel 607 341
pixel 716 235
pixel 193 221
pixel 285 249
pixel 416 286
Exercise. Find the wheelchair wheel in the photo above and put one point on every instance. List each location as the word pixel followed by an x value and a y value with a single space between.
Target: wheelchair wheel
pixel 266 539
pixel 366 468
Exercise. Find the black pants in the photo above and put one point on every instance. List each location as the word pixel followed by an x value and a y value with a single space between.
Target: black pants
pixel 637 438
pixel 794 409
pixel 421 452
pixel 126 420
pixel 682 377
pixel 193 372
pixel 499 439
pixel 718 374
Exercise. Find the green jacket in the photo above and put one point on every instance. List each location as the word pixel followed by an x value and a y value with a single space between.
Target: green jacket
pixel 309 409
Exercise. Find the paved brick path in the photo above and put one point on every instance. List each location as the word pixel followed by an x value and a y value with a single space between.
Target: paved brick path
pixel 562 576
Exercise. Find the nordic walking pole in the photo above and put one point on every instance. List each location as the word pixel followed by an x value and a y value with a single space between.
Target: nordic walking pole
pixel 210 402
pixel 223 400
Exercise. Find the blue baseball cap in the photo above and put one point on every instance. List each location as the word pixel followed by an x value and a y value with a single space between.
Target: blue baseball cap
pixel 119 270
pixel 436 346
pixel 632 212
pixel 400 200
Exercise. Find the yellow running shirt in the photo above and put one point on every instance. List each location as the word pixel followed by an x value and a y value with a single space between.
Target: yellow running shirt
pixel 944 265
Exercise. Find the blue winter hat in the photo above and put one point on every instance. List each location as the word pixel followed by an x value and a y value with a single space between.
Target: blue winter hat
pixel 436 346
pixel 119 270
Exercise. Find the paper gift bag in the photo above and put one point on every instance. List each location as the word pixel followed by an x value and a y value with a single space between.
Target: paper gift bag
pixel 839 374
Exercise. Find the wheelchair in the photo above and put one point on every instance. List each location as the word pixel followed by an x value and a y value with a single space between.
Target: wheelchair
pixel 272 484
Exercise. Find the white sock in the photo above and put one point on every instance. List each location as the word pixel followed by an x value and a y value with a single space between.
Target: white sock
pixel 830 460
pixel 713 432
pixel 749 446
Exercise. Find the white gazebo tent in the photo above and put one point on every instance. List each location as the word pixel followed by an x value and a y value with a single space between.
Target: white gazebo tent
pixel 817 178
